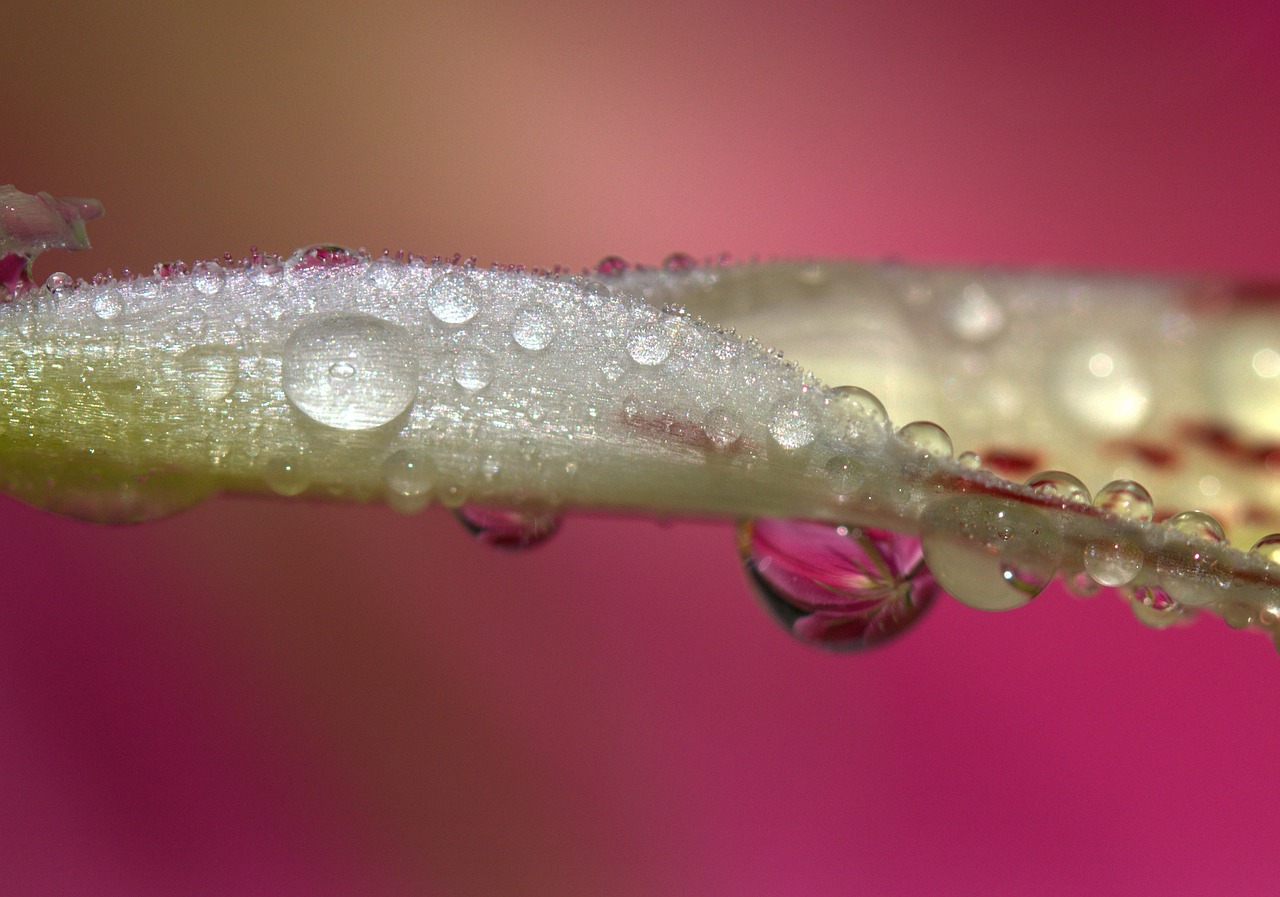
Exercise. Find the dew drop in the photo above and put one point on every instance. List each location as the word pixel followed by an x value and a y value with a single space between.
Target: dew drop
pixel 1193 576
pixel 59 284
pixel 969 460
pixel 1238 615
pixel 385 273
pixel 928 437
pixel 108 306
pixel 454 297
pixel 207 277
pixel 793 423
pixel 1113 562
pixel 350 372
pixel 836 587
pixel 846 474
pixel 1155 608
pixel 853 411
pixel 722 427
pixel 989 553
pixel 473 369
pixel 409 479
pixel 650 344
pixel 1268 548
pixel 323 255
pixel 679 262
pixel 209 373
pixel 506 528
pixel 1126 499
pixel 1060 485
pixel 535 327
pixel 285 472
pixel 613 266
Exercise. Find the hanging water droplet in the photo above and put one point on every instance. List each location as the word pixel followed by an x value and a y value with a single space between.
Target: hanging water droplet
pixel 473 369
pixel 1081 585
pixel 1238 615
pixel 650 343
pixel 207 277
pixel 409 480
pixel 929 438
pixel 1127 499
pixel 351 372
pixel 793 423
pixel 1114 562
pixel 853 411
pixel 1061 485
pixel 990 553
pixel 836 587
pixel 1192 575
pixel 108 305
pixel 209 373
pixel 285 471
pixel 1154 608
pixel 454 297
pixel 535 327
pixel 506 528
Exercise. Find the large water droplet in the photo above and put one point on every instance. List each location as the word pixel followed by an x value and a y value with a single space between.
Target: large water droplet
pixel 1113 562
pixel 1127 499
pixel 409 480
pixel 473 369
pixel 836 587
pixel 1060 485
pixel 535 327
pixel 928 437
pixel 454 297
pixel 990 553
pixel 1191 574
pixel 380 387
pixel 209 373
pixel 506 528
pixel 853 411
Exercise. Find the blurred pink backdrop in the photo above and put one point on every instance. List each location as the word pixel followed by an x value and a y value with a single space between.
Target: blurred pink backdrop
pixel 291 699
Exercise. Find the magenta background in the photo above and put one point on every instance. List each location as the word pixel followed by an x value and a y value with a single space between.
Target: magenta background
pixel 288 699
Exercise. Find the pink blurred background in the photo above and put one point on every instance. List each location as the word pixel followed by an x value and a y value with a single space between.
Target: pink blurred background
pixel 291 699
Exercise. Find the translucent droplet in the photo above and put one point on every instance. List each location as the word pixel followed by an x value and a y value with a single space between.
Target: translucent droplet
pixel 836 587
pixel 1192 575
pixel 853 411
pixel 59 283
pixel 1154 608
pixel 990 553
pixel 207 277
pixel 1238 615
pixel 473 369
pixel 108 306
pixel 722 427
pixel 969 460
pixel 383 381
pixel 612 266
pixel 846 474
pixel 409 480
pixel 285 471
pixel 209 373
pixel 793 423
pixel 535 327
pixel 1060 485
pixel 650 343
pixel 1268 548
pixel 974 315
pixel 928 437
pixel 1127 499
pixel 1114 562
pixel 679 262
pixel 505 528
pixel 454 297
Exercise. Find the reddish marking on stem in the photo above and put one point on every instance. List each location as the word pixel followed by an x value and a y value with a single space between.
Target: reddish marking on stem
pixel 666 428
pixel 1010 462
pixel 1151 453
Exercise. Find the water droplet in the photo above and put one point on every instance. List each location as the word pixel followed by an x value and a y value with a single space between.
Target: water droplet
pixel 454 297
pixel 473 369
pixel 989 553
pixel 1268 548
pixel 969 460
pixel 793 423
pixel 323 255
pixel 722 427
pixel 409 480
pixel 108 306
pixel 1101 388
pixel 679 262
pixel 974 315
pixel 595 294
pixel 383 381
pixel 385 273
pixel 1154 608
pixel 650 343
pixel 263 268
pixel 1192 575
pixel 1127 499
pixel 1061 485
pixel 209 372
pixel 845 473
pixel 1114 562
pixel 505 528
pixel 285 471
pixel 613 266
pixel 836 587
pixel 853 411
pixel 535 327
pixel 928 437
pixel 207 277
pixel 1080 585
pixel 1238 615
pixel 59 284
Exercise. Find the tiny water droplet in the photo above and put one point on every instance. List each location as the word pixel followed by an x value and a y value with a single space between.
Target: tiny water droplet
pixel 1114 562
pixel 207 277
pixel 1127 499
pixel 108 306
pixel 613 266
pixel 793 423
pixel 285 471
pixel 928 437
pixel 323 255
pixel 454 297
pixel 59 283
pixel 1061 485
pixel 650 343
pixel 506 528
pixel 409 479
pixel 473 369
pixel 836 587
pixel 990 553
pixel 854 411
pixel 1192 575
pixel 679 262
pixel 350 372
pixel 209 372
pixel 535 327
